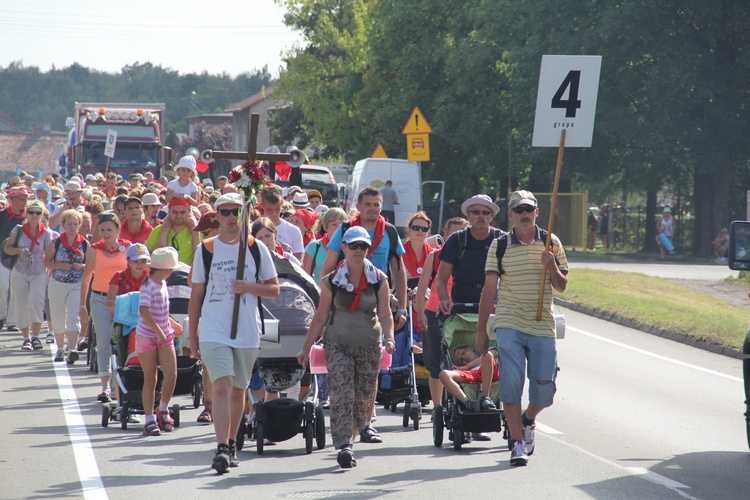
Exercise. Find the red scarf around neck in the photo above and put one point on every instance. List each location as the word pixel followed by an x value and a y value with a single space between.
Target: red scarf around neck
pixel 379 231
pixel 414 265
pixel 74 247
pixel 357 291
pixel 12 215
pixel 34 238
pixel 279 249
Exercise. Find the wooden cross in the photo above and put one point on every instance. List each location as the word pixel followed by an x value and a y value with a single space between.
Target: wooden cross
pixel 250 155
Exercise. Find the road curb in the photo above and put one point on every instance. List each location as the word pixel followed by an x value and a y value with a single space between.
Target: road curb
pixel 653 330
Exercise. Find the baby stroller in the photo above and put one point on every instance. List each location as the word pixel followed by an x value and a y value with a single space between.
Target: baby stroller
pixel 460 329
pixel 399 382
pixel 127 371
pixel 282 419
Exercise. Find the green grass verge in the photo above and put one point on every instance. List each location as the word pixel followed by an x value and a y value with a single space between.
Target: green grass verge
pixel 657 302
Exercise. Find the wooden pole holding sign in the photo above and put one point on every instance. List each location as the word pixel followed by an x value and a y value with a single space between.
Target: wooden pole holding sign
pixel 566 102
pixel 552 208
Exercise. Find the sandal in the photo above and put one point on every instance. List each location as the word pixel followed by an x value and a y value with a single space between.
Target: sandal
pixel 166 423
pixel 369 435
pixel 205 417
pixel 104 397
pixel 151 429
pixel 486 404
pixel 345 458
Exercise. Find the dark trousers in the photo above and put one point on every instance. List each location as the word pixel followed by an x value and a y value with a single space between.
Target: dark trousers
pixel 389 215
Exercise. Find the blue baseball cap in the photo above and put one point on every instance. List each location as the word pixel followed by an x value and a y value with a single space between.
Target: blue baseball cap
pixel 138 251
pixel 356 233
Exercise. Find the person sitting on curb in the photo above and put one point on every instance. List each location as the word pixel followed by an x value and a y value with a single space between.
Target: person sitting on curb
pixel 471 368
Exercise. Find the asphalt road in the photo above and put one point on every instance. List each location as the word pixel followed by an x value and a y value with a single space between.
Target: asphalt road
pixel 636 416
pixel 669 270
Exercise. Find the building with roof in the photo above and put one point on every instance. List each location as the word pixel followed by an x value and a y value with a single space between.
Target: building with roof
pixel 261 103
pixel 35 152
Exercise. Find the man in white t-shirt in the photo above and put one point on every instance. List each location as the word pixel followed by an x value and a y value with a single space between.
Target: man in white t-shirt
pixel 229 361
pixel 286 233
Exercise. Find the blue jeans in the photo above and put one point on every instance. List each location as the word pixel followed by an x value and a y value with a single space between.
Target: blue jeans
pixel 519 354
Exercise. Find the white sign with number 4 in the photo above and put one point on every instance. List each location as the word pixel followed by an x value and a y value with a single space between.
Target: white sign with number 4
pixel 568 88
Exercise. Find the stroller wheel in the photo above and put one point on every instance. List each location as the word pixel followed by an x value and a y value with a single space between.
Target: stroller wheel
pixel 309 431
pixel 437 426
pixel 197 392
pixel 320 428
pixel 407 412
pixel 105 415
pixel 176 414
pixel 393 407
pixel 458 437
pixel 416 416
pixel 259 436
pixel 239 440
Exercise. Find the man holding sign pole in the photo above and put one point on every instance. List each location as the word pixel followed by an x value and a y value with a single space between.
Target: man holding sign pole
pixel 517 261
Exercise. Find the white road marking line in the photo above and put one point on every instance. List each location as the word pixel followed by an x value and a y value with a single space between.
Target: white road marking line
pixel 88 471
pixel 641 472
pixel 653 355
pixel 547 429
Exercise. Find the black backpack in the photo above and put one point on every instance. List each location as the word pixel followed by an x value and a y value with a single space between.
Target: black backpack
pixel 8 261
pixel 502 245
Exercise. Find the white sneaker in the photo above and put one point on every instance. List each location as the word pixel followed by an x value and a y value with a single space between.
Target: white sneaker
pixel 518 456
pixel 528 438
pixel 50 338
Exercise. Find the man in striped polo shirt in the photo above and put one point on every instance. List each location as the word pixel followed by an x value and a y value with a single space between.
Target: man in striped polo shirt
pixel 522 339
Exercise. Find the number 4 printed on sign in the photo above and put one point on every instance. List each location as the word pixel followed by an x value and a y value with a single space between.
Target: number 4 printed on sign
pixel 568 88
pixel 572 103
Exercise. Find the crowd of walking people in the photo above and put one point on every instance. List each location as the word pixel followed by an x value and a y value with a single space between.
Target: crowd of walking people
pixel 74 247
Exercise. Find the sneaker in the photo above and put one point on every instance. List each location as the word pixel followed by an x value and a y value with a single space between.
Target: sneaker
pixel 472 405
pixel 345 458
pixel 104 396
pixel 26 346
pixel 60 356
pixel 233 460
pixel 12 328
pixel 83 344
pixel 528 437
pixel 480 436
pixel 133 419
pixel 518 456
pixel 50 338
pixel 72 356
pixel 221 462
pixel 486 404
pixel 36 344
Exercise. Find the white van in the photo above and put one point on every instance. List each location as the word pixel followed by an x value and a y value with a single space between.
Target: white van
pixel 407 181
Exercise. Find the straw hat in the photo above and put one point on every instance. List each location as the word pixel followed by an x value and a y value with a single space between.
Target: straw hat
pixel 164 258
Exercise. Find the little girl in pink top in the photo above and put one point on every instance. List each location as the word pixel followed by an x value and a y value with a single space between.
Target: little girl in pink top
pixel 155 341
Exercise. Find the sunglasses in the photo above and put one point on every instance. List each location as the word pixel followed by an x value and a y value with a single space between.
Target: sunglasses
pixel 358 245
pixel 206 234
pixel 33 212
pixel 524 208
pixel 419 228
pixel 226 212
pixel 486 213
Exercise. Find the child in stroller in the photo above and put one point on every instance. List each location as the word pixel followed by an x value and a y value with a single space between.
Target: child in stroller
pixel 471 368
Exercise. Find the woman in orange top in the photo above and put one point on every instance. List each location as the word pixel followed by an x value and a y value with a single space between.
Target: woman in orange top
pixel 103 259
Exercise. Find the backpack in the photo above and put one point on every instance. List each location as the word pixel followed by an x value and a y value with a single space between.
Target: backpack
pixel 207 249
pixel 318 244
pixel 335 288
pixel 85 247
pixel 502 245
pixel 9 261
pixel 463 239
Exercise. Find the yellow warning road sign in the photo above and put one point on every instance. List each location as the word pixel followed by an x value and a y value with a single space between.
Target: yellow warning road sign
pixel 418 147
pixel 379 152
pixel 417 124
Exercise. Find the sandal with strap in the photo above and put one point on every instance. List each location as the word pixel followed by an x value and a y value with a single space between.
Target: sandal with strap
pixel 151 429
pixel 166 423
pixel 205 417
pixel 369 435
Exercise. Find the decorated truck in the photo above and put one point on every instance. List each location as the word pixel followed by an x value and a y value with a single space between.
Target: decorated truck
pixel 139 145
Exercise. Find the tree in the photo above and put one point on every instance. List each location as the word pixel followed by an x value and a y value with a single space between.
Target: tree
pixel 214 137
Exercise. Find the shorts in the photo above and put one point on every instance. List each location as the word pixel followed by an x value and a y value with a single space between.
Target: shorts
pixel 475 376
pixel 146 344
pixel 521 354
pixel 226 361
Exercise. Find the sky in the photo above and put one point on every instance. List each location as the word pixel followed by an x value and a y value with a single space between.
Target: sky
pixel 217 36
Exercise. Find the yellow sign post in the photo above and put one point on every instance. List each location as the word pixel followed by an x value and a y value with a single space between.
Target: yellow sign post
pixel 379 152
pixel 417 132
